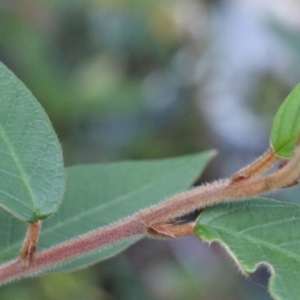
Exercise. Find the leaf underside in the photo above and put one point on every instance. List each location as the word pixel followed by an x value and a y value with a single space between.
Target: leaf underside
pixel 32 179
pixel 286 125
pixel 259 231
pixel 99 195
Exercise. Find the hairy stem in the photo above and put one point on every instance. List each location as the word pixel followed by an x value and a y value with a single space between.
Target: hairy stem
pixel 68 250
pixel 140 223
pixel 258 167
pixel 29 247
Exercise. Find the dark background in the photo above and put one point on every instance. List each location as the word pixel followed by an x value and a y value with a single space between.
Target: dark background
pixel 141 79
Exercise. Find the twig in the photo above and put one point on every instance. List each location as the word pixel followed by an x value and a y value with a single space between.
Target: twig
pixel 142 222
pixel 29 247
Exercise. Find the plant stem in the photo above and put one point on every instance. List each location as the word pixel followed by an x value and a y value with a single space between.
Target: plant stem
pixel 258 167
pixel 71 249
pixel 140 223
pixel 29 247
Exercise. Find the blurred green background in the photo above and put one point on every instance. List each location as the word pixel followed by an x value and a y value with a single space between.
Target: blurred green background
pixel 137 79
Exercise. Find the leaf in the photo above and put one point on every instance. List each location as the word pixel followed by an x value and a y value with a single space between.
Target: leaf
pixel 259 231
pixel 102 194
pixel 32 179
pixel 286 125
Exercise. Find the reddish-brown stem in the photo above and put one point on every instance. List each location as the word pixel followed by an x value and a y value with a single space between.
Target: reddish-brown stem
pixel 140 223
pixel 170 231
pixel 258 167
pixel 221 191
pixel 71 249
pixel 29 246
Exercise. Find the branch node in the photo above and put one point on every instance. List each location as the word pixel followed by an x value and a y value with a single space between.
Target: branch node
pixel 167 230
pixel 258 167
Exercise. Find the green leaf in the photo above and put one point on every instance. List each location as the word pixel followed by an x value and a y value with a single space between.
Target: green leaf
pixel 32 178
pixel 102 194
pixel 259 231
pixel 286 125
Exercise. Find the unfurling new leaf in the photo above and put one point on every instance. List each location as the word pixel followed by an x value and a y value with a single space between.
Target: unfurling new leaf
pixel 286 125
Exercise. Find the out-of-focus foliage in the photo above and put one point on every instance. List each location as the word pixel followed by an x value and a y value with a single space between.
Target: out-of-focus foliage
pixel 142 79
pixel 105 71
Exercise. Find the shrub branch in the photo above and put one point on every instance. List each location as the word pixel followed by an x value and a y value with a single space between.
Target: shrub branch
pixel 156 221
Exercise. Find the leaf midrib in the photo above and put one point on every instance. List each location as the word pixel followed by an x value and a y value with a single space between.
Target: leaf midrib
pixel 19 168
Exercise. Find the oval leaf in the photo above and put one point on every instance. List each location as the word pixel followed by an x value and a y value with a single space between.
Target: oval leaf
pixel 286 125
pixel 102 194
pixel 31 167
pixel 259 231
